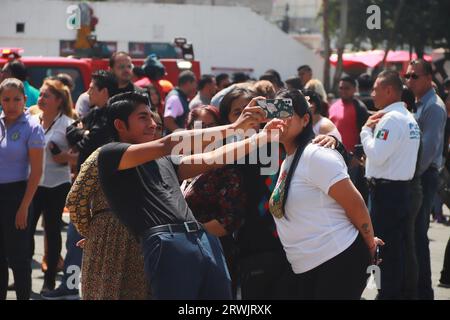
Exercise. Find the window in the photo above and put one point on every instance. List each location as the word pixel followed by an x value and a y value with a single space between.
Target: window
pixel 20 27
pixel 37 74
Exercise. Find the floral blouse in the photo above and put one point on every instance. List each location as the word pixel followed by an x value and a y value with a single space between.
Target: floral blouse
pixel 219 195
pixel 86 197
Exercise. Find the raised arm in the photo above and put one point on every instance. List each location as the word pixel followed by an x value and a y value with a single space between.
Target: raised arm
pixel 196 164
pixel 139 154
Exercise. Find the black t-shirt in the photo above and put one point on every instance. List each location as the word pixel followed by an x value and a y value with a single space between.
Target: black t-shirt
pixel 131 88
pixel 142 197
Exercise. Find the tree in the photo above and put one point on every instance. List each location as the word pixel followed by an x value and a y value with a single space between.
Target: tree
pixel 341 42
pixel 327 46
pixel 413 23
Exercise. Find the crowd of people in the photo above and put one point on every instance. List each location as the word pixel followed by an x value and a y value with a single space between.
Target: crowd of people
pixel 358 181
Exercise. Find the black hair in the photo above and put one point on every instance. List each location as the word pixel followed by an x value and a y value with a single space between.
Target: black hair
pixel 305 67
pixel 350 80
pixel 426 66
pixel 205 80
pixel 314 98
pixel 365 82
pixel 194 114
pixel 239 77
pixel 221 77
pixel 409 98
pixel 139 72
pixel 393 79
pixel 112 59
pixel 446 82
pixel 17 70
pixel 277 76
pixel 225 104
pixel 301 108
pixel 104 79
pixel 186 77
pixel 121 106
pixel 295 83
pixel 66 79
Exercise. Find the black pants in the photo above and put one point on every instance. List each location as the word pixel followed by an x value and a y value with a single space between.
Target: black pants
pixel 343 277
pixel 266 276
pixel 357 175
pixel 411 266
pixel 445 273
pixel 430 179
pixel 389 210
pixel 14 243
pixel 50 202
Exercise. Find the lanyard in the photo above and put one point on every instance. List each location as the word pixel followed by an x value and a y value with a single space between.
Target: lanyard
pixel 54 121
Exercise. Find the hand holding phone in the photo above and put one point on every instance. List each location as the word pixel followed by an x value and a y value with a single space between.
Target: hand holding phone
pixel 277 108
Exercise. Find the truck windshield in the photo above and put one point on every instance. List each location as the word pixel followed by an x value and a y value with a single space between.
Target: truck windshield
pixel 37 74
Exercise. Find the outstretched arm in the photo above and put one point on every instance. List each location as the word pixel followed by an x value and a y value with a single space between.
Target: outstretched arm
pixel 139 154
pixel 196 164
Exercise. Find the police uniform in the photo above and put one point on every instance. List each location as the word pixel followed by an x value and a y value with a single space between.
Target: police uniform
pixel 391 149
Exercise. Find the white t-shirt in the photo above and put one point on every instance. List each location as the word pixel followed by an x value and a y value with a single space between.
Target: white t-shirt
pixel 315 227
pixel 83 106
pixel 54 173
pixel 335 132
pixel 174 107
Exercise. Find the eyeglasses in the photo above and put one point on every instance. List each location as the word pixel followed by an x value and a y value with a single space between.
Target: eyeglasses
pixel 414 76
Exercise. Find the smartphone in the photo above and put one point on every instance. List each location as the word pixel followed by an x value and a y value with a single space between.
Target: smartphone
pixel 359 151
pixel 54 149
pixel 277 108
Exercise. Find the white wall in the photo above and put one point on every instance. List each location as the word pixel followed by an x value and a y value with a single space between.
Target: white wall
pixel 222 36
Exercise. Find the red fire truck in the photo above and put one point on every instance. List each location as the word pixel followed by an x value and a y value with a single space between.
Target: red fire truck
pixel 80 70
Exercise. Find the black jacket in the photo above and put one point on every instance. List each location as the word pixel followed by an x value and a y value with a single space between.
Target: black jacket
pixel 99 134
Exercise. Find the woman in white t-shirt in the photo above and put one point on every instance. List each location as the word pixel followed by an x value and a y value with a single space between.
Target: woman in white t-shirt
pixel 56 105
pixel 321 218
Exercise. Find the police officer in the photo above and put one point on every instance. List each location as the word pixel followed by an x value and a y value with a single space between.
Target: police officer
pixel 391 140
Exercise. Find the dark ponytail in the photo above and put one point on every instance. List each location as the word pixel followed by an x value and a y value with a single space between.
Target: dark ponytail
pixel 301 107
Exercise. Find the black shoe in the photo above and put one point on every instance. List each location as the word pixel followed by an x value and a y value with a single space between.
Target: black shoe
pixel 61 294
pixel 47 287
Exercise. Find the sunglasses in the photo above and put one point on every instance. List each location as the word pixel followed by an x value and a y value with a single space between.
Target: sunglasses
pixel 413 76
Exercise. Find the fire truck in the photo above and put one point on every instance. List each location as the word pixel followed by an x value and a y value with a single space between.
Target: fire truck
pixel 81 69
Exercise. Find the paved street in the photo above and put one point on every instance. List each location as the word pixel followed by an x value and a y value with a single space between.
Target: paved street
pixel 438 234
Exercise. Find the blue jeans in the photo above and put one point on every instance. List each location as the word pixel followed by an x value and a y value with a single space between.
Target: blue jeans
pixel 73 256
pixel 430 179
pixel 186 266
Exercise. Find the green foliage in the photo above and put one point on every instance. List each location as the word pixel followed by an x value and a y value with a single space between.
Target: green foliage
pixel 421 23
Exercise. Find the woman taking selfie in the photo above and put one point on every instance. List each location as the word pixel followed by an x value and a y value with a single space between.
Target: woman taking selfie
pixel 321 218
